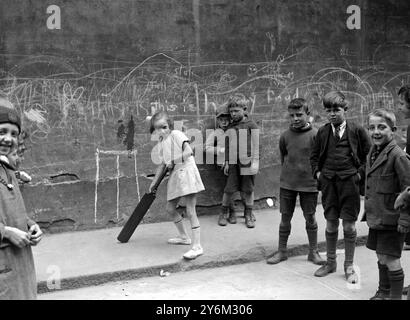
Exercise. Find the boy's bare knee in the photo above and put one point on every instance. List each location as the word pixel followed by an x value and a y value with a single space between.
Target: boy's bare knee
pixel 349 226
pixel 285 220
pixel 381 258
pixel 332 226
pixel 310 219
pixel 393 263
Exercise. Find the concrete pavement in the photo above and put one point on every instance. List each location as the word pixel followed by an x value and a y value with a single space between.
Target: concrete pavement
pixel 86 258
pixel 289 280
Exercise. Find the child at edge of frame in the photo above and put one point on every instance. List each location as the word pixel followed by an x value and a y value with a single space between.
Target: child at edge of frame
pixel 404 108
pixel 387 174
pixel 296 179
pixel 338 160
pixel 242 155
pixel 175 153
pixel 17 231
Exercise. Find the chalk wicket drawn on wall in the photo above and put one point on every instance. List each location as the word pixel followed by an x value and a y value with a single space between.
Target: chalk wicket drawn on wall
pixel 353 21
pixel 97 176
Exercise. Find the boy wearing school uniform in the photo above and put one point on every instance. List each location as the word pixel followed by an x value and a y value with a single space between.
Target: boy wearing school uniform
pixel 338 161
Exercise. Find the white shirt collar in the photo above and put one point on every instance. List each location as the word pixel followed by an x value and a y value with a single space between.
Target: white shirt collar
pixel 341 130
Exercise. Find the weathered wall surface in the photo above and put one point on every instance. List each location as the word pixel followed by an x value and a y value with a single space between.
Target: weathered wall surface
pixel 118 60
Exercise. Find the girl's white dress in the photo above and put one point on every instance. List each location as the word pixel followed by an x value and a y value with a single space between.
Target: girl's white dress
pixel 185 178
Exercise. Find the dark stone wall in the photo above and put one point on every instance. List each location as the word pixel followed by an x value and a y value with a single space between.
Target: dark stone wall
pixel 118 60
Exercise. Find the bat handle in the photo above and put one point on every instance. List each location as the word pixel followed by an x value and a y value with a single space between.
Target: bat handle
pixel 160 178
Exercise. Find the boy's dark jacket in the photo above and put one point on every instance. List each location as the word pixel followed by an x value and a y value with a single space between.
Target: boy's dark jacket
pixel 385 179
pixel 359 142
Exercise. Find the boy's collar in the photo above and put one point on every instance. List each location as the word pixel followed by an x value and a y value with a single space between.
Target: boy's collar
pixel 341 126
pixel 306 127
pixel 382 147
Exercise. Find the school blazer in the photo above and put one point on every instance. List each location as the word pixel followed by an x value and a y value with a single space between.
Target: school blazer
pixel 359 142
pixel 385 179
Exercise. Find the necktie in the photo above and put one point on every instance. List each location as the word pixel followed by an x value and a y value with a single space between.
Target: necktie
pixel 374 156
pixel 337 133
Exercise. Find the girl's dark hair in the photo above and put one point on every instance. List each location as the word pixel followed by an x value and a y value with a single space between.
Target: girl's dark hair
pixel 160 115
pixel 405 91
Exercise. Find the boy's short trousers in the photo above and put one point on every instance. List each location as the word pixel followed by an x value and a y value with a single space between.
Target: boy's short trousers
pixel 287 198
pixel 236 182
pixel 388 242
pixel 340 198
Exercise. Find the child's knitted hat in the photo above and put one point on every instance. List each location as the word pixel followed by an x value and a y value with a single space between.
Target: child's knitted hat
pixel 8 115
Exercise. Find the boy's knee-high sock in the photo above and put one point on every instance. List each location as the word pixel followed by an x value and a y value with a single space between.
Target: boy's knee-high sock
pixel 350 246
pixel 181 228
pixel 311 230
pixel 396 279
pixel 284 232
pixel 384 282
pixel 331 242
pixel 196 236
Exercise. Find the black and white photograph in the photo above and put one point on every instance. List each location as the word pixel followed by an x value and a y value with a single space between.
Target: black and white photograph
pixel 204 155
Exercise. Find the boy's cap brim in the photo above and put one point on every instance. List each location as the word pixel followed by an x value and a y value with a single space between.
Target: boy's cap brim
pixel 220 114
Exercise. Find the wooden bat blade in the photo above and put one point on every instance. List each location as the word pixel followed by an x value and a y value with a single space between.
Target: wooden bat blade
pixel 136 217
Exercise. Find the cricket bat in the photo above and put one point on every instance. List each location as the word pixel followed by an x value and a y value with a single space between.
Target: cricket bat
pixel 140 211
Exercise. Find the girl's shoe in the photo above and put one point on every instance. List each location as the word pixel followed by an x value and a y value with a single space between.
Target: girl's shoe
pixel 193 253
pixel 179 240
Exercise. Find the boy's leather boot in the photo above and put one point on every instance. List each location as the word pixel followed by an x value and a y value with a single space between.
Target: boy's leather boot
pixel 248 218
pixel 314 256
pixel 281 254
pixel 222 216
pixel 232 216
pixel 330 265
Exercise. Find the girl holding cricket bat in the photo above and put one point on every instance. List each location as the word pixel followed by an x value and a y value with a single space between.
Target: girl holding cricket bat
pixel 176 155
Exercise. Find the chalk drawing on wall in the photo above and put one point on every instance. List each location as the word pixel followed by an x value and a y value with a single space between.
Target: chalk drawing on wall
pixel 117 155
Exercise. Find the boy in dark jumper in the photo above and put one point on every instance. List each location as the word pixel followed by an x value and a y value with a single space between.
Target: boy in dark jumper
pixel 387 174
pixel 296 178
pixel 338 161
pixel 242 155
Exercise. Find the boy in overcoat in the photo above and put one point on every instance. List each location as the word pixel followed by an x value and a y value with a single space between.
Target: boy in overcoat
pixel 387 174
